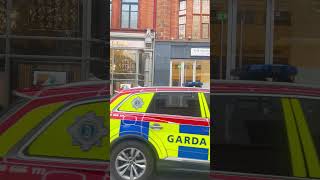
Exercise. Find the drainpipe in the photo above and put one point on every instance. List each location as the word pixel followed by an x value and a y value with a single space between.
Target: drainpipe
pixel 154 39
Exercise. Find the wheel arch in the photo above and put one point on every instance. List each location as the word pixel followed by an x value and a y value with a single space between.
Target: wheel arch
pixel 135 138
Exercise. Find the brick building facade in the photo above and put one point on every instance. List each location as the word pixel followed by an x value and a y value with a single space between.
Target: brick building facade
pixel 182 42
pixel 132 25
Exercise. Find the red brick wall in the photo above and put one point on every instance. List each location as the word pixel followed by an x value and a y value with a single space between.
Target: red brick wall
pixel 168 19
pixel 189 19
pixel 163 19
pixel 146 15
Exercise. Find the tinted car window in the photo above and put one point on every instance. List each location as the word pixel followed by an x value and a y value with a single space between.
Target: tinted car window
pixel 249 135
pixel 312 115
pixel 207 96
pixel 176 103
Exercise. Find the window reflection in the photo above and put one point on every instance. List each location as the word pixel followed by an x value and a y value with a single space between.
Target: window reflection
pixel 125 61
pixel 190 71
pixel 47 17
pixel 129 14
pixel 2 16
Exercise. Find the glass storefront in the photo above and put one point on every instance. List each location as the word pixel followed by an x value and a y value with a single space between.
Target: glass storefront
pixel 127 68
pixel 183 71
pixel 266 32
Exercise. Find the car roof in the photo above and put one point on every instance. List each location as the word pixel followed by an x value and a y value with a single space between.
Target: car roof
pixel 163 89
pixel 264 87
pixel 94 87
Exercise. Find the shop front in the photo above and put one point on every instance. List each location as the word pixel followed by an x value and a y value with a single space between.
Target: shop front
pixel 131 59
pixel 179 62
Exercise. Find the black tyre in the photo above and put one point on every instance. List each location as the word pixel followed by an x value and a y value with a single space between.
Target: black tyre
pixel 132 160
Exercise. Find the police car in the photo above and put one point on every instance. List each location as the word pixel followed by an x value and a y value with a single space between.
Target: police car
pixel 152 125
pixel 57 133
pixel 265 130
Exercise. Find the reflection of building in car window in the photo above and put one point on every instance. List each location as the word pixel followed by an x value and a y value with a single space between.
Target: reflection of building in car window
pixel 47 42
pixel 266 32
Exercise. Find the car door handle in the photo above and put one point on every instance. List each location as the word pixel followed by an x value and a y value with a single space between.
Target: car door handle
pixel 156 127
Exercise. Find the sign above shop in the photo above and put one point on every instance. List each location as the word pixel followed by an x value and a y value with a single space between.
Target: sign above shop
pixel 200 51
pixel 127 44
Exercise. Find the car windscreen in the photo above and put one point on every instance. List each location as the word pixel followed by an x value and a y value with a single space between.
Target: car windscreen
pixel 6 111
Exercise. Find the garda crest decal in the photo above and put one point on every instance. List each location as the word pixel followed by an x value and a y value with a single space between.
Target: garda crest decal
pixel 87 131
pixel 137 103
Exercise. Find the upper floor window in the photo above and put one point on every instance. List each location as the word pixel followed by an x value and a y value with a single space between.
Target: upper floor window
pixel 182 19
pixel 201 19
pixel 129 14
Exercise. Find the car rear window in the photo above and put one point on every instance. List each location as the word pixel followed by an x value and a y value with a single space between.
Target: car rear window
pixel 176 103
pixel 249 135
pixel 312 115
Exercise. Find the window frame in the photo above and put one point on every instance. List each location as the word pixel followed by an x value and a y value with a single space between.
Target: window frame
pixel 201 14
pixel 116 109
pixel 277 95
pixel 24 145
pixel 129 22
pixel 181 16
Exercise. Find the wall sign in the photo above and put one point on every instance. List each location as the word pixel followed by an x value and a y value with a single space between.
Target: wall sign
pixel 124 43
pixel 200 52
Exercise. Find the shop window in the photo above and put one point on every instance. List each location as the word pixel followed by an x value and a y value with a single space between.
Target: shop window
pixel 129 14
pixel 3 16
pixel 201 19
pixel 190 71
pixel 250 136
pixel 203 73
pixel 125 61
pixel 175 103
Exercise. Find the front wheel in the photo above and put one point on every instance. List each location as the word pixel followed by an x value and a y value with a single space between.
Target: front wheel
pixel 132 161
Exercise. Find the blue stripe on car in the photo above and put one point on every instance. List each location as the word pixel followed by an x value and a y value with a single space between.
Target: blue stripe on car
pixel 189 129
pixel 193 153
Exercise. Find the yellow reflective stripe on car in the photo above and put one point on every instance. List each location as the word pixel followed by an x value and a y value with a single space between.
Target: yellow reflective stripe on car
pixel 56 140
pixel 157 144
pixel 114 129
pixel 143 101
pixel 206 107
pixel 29 121
pixel 297 161
pixel 203 112
pixel 117 101
pixel 311 155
